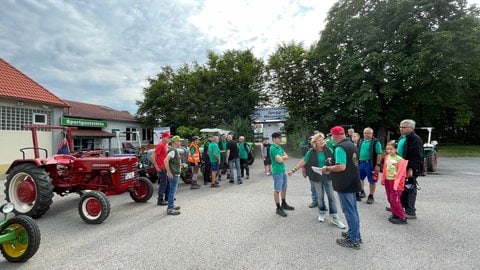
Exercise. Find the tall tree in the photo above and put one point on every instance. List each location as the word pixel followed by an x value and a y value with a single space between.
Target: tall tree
pixel 291 82
pixel 380 61
pixel 209 95
pixel 238 79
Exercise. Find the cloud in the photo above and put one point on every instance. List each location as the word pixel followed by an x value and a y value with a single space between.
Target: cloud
pixel 102 52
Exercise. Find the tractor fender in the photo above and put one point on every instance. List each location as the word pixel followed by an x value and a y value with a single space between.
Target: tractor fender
pixel 36 162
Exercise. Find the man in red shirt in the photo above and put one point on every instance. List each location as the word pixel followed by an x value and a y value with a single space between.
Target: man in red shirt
pixel 158 158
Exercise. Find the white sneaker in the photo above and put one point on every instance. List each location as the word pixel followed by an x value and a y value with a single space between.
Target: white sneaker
pixel 321 217
pixel 336 221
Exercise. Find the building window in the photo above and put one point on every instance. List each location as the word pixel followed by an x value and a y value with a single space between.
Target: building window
pixel 147 134
pixel 131 134
pixel 39 119
pixel 13 118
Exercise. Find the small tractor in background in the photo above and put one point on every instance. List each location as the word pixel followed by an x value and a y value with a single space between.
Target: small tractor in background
pixel 32 182
pixel 430 159
pixel 145 165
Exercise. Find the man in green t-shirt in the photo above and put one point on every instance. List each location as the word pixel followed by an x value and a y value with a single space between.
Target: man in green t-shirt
pixel 214 155
pixel 278 157
pixel 222 145
pixel 370 157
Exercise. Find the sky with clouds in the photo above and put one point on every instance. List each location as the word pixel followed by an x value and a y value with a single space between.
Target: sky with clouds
pixel 102 52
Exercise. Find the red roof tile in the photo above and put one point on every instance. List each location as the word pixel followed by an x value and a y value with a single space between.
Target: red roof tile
pixel 85 110
pixel 16 85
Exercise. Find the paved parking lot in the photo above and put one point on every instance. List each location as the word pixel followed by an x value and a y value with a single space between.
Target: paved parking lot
pixel 235 227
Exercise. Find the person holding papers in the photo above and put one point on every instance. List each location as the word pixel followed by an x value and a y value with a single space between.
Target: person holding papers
pixel 316 158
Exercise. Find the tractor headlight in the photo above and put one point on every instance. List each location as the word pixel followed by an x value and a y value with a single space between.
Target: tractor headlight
pixel 7 208
pixel 112 170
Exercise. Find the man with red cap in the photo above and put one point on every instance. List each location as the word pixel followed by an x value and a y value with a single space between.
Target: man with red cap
pixel 158 158
pixel 345 180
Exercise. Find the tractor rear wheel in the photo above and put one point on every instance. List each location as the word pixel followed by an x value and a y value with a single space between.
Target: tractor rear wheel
pixel 30 189
pixel 431 159
pixel 26 241
pixel 94 207
pixel 142 190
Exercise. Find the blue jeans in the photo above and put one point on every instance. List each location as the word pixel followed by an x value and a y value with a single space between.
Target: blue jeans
pixel 322 187
pixel 173 189
pixel 163 185
pixel 231 163
pixel 314 192
pixel 348 201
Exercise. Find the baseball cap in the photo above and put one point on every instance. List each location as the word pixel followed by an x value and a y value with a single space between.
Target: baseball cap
pixel 337 130
pixel 176 138
pixel 195 138
pixel 166 134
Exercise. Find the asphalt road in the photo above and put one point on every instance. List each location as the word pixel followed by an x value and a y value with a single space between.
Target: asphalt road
pixel 235 227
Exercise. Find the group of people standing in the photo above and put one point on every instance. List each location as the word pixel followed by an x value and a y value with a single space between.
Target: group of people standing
pixel 219 153
pixel 344 168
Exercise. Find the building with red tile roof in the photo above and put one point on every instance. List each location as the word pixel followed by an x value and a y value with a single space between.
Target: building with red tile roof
pixel 17 86
pixel 25 102
pixel 86 110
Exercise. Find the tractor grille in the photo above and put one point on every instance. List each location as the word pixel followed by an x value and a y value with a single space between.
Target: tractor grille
pixel 123 170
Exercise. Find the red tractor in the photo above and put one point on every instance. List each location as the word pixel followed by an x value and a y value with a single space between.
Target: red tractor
pixel 31 182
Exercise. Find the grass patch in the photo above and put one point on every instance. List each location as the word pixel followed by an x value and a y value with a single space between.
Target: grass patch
pixel 459 150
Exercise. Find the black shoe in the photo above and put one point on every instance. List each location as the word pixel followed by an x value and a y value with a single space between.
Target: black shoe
pixel 359 199
pixel 240 181
pixel 407 216
pixel 370 199
pixel 397 220
pixel 362 194
pixel 248 177
pixel 205 183
pixel 231 181
pixel 346 242
pixel 214 185
pixel 161 202
pixel 280 212
pixel 345 235
pixel 285 206
pixel 313 205
pixel 388 209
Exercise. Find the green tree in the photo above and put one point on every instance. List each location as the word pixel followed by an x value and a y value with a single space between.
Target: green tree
pixel 292 82
pixel 382 61
pixel 243 127
pixel 199 96
pixel 238 82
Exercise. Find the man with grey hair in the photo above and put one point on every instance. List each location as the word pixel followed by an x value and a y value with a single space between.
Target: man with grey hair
pixel 370 157
pixel 410 147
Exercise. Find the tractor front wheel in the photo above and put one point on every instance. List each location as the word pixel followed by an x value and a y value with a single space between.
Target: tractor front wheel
pixel 30 189
pixel 142 190
pixel 26 239
pixel 94 207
